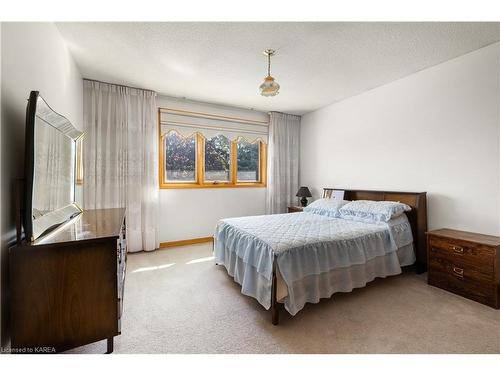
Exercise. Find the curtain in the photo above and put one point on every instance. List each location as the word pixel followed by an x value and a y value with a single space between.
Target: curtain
pixel 283 164
pixel 120 164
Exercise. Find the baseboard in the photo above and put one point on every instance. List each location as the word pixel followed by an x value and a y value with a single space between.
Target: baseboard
pixel 191 241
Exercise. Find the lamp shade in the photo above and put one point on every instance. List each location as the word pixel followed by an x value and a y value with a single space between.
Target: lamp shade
pixel 304 192
pixel 270 87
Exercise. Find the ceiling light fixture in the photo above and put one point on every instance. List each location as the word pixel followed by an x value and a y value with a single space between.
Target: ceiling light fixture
pixel 269 87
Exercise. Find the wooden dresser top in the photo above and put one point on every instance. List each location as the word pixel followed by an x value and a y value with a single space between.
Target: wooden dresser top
pixel 466 236
pixel 90 225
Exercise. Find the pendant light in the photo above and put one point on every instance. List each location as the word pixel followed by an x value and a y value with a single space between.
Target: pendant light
pixel 270 87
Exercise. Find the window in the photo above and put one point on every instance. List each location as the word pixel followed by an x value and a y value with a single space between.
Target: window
pixel 79 161
pixel 180 158
pixel 211 150
pixel 198 162
pixel 217 159
pixel 248 161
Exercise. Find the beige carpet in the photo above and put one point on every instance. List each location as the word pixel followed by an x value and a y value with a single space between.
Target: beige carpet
pixel 178 301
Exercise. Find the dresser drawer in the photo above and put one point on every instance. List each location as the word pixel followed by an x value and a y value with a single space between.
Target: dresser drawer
pixel 484 293
pixel 461 271
pixel 463 252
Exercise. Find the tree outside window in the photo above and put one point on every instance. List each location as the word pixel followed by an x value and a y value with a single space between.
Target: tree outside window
pixel 217 159
pixel 199 162
pixel 180 158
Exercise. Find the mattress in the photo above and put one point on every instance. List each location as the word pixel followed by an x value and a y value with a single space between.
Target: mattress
pixel 312 250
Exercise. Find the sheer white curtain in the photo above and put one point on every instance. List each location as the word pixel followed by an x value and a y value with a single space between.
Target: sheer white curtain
pixel 283 162
pixel 121 157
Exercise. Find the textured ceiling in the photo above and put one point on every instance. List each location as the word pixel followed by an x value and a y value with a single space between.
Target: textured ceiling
pixel 316 63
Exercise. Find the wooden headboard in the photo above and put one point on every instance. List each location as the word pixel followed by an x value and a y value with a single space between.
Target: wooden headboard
pixel 417 216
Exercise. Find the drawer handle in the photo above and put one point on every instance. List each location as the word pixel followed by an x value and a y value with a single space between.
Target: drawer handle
pixel 458 249
pixel 458 272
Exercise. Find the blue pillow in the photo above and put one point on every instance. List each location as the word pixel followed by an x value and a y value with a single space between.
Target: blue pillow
pixel 373 211
pixel 326 207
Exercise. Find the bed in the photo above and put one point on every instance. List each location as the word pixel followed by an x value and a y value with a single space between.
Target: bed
pixel 289 260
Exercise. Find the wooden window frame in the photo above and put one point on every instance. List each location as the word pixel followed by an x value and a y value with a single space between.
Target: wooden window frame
pixel 200 182
pixel 79 161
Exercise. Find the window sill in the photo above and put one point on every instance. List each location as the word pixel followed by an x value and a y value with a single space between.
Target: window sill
pixel 213 186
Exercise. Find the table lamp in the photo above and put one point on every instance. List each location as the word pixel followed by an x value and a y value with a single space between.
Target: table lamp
pixel 304 193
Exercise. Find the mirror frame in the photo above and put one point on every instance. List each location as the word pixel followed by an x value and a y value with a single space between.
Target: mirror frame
pixel 40 227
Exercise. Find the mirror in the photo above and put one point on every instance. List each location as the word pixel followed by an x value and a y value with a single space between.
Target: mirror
pixel 51 169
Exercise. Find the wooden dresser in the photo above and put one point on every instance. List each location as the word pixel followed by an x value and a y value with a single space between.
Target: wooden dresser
pixel 292 209
pixel 67 289
pixel 465 263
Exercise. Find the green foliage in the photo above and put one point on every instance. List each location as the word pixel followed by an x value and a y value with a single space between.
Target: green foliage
pixel 181 154
pixel 217 153
pixel 248 156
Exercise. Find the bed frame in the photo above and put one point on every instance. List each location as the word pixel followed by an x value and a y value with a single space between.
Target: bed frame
pixel 417 218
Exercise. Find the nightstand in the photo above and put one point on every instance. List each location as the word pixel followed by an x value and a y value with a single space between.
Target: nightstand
pixel 295 209
pixel 465 263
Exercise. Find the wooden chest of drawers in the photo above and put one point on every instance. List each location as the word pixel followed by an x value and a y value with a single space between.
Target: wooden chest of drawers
pixel 465 263
pixel 67 290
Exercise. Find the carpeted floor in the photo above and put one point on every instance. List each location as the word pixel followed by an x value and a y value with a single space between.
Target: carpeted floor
pixel 178 301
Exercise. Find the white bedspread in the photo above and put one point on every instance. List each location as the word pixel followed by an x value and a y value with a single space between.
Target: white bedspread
pixel 305 245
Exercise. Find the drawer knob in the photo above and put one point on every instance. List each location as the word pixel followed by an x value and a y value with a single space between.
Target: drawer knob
pixel 457 249
pixel 458 272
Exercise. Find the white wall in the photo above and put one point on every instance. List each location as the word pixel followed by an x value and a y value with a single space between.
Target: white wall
pixel 436 131
pixel 34 57
pixel 193 213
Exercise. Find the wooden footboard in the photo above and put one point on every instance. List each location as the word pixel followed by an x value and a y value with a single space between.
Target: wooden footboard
pixel 275 306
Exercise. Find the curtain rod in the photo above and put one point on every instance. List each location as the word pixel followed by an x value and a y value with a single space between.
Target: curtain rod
pixel 283 113
pixel 117 84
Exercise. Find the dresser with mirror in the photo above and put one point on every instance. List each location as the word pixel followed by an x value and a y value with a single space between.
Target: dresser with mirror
pixel 67 271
